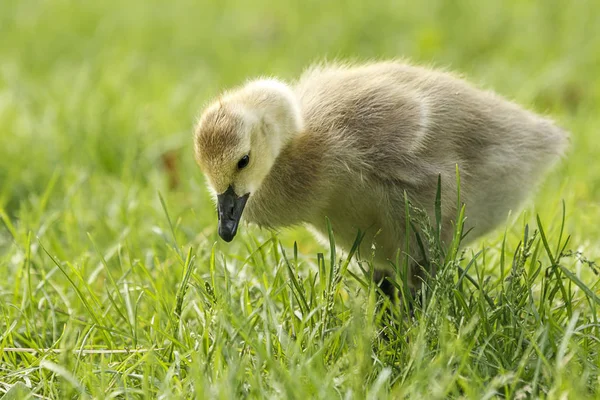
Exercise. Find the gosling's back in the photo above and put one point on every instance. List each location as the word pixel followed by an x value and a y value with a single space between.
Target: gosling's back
pixel 396 127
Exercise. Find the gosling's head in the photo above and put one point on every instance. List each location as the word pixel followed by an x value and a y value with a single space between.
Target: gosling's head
pixel 237 141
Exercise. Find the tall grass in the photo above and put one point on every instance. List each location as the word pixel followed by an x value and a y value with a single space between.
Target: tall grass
pixel 116 285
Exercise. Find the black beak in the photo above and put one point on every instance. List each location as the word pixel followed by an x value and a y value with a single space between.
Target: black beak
pixel 229 209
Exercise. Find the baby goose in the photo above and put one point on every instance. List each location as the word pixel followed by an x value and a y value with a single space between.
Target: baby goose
pixel 346 142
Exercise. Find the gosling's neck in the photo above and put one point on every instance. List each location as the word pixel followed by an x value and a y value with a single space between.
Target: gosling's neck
pixel 288 195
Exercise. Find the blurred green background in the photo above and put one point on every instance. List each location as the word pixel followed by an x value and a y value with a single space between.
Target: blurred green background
pixel 98 99
pixel 97 104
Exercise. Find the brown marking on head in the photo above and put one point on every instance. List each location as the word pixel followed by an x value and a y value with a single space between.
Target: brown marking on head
pixel 216 133
pixel 218 141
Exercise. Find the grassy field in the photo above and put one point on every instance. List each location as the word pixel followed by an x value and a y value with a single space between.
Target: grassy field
pixel 109 292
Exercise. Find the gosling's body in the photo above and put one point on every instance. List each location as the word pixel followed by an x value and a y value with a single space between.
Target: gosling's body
pixel 351 140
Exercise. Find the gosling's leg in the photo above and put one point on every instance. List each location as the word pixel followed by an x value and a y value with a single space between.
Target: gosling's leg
pixel 418 274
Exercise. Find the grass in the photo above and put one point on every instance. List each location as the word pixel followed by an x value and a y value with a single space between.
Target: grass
pixel 117 287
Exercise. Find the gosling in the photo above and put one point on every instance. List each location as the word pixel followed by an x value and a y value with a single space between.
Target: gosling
pixel 347 142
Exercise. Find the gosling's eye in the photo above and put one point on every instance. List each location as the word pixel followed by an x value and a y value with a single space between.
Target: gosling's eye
pixel 243 163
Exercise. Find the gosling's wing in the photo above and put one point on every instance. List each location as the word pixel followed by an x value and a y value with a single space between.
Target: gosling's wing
pixel 371 117
pixel 408 124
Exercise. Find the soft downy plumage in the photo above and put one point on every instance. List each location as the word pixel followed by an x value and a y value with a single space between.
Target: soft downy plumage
pixel 347 141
